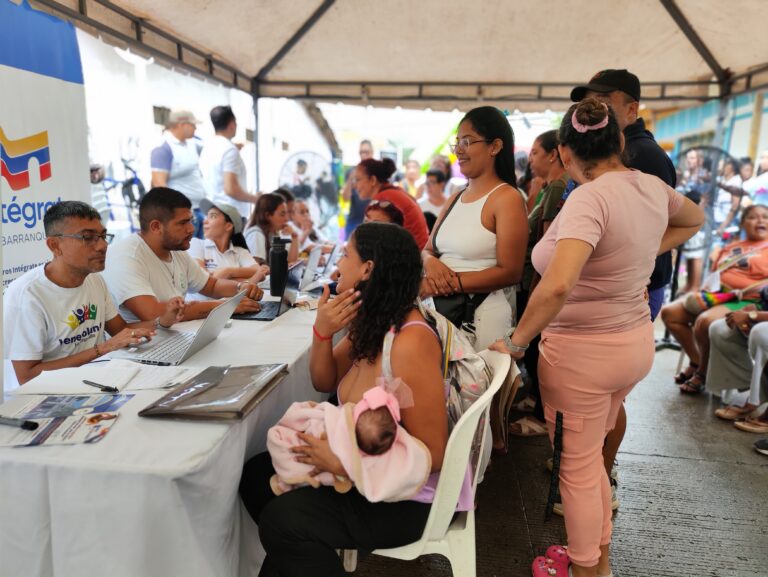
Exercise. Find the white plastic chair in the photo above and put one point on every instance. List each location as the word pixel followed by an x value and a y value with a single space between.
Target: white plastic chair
pixel 454 537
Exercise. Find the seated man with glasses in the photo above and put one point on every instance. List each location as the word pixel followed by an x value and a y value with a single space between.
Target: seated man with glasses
pixel 146 270
pixel 55 315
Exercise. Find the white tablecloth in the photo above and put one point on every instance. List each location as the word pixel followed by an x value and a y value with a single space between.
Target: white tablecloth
pixel 155 497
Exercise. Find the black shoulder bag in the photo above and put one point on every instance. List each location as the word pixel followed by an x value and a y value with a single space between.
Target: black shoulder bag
pixel 458 308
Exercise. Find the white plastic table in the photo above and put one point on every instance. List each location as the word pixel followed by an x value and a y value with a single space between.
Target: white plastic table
pixel 156 497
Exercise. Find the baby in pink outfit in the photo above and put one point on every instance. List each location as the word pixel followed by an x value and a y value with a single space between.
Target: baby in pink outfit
pixel 382 460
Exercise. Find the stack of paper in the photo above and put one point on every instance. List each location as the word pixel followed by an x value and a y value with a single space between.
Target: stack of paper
pixel 118 373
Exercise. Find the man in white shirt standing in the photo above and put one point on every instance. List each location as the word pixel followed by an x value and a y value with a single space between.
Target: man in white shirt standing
pixel 55 315
pixel 176 162
pixel 223 168
pixel 146 270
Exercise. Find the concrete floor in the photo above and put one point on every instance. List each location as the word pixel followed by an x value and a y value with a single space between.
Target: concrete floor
pixel 693 492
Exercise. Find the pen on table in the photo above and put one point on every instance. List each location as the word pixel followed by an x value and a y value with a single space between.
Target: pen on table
pixel 22 423
pixel 104 388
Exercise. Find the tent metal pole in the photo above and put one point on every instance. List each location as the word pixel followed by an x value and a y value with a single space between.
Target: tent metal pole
pixel 757 121
pixel 214 69
pixel 255 95
pixel 685 27
pixel 293 40
pixel 722 113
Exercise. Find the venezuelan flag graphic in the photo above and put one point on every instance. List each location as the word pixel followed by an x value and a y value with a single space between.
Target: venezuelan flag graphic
pixel 16 154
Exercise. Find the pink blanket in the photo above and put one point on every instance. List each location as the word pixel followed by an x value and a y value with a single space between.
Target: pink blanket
pixel 396 475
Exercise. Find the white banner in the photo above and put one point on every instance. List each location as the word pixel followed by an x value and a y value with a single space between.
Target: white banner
pixel 43 131
pixel 43 134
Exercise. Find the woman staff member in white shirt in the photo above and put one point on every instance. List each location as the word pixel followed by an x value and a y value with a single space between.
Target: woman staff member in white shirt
pixel 270 218
pixel 224 253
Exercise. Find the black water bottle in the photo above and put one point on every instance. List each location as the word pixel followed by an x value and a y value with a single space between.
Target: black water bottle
pixel 278 266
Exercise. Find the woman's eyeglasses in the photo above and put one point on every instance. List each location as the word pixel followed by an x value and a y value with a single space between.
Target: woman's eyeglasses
pixel 464 143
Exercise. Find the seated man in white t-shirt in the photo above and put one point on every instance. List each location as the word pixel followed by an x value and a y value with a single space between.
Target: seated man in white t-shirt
pixel 55 315
pixel 146 270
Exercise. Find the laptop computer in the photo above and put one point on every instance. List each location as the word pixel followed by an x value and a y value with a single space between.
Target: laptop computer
pixel 313 283
pixel 172 347
pixel 331 259
pixel 270 310
pixel 311 268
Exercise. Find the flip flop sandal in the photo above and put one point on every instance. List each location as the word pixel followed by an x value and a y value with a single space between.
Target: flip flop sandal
pixel 559 553
pixel 528 427
pixel 752 425
pixel 526 405
pixel 691 388
pixel 734 413
pixel 686 374
pixel 547 567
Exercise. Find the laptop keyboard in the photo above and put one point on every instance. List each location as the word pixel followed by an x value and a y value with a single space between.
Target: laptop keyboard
pixel 170 349
pixel 268 311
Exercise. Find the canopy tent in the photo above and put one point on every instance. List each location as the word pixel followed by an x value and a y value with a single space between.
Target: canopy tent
pixel 524 54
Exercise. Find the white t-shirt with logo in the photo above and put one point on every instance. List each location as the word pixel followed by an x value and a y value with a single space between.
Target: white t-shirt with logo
pixel 207 251
pixel 180 160
pixel 50 322
pixel 133 269
pixel 219 156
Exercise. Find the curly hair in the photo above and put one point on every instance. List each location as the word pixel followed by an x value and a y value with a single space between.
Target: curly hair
pixel 391 291
pixel 594 145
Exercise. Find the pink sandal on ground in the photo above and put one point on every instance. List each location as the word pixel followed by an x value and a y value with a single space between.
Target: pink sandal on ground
pixel 554 564
pixel 545 567
pixel 559 553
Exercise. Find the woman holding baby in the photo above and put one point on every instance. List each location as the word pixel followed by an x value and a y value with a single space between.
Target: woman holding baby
pixel 378 287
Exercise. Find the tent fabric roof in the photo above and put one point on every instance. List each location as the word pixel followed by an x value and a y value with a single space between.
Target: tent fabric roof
pixel 445 53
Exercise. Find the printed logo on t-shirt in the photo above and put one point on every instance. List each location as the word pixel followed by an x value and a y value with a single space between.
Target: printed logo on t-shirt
pixel 78 317
pixel 210 264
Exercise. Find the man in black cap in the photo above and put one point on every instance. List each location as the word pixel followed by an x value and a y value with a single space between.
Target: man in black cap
pixel 620 89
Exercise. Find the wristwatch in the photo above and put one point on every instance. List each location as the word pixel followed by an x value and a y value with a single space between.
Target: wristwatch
pixel 752 316
pixel 512 347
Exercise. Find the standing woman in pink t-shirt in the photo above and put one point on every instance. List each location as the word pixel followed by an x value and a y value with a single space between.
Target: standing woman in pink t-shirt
pixel 590 306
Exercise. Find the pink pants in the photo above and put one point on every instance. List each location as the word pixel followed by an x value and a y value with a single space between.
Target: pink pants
pixel 587 377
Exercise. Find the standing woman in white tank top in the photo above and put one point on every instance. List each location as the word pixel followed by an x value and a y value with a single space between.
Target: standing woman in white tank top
pixel 480 242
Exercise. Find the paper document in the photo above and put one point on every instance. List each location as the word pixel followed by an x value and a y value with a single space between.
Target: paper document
pixel 116 373
pixel 64 420
pixel 60 431
pixel 160 377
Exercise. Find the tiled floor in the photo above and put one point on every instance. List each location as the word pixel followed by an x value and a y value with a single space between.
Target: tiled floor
pixel 694 497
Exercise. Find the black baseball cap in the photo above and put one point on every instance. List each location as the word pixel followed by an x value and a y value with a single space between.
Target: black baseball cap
pixel 608 81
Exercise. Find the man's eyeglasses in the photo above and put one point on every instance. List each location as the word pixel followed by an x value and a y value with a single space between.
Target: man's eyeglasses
pixel 89 239
pixel 464 143
pixel 380 203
